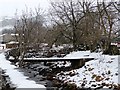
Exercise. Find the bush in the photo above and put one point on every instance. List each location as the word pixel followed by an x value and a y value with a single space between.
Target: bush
pixel 13 52
pixel 113 50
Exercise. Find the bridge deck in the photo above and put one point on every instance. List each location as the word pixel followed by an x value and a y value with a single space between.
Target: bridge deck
pixel 54 59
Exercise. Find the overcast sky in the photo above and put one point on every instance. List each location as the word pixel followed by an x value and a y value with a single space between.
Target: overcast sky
pixel 9 7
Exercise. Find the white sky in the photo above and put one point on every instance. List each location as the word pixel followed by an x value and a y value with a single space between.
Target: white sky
pixel 9 7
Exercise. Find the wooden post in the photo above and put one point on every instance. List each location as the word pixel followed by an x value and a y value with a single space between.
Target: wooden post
pixel 3 47
pixel 77 63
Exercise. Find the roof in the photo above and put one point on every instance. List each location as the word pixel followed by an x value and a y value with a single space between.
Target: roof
pixel 12 42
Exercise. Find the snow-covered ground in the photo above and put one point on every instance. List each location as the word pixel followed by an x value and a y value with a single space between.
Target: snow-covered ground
pixel 17 78
pixel 102 71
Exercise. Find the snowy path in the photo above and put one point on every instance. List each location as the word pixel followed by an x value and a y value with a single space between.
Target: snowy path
pixel 16 77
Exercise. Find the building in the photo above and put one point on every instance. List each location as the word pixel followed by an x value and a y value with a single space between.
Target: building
pixel 8 40
pixel 12 44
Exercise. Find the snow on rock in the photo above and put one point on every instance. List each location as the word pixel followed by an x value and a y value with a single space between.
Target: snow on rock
pixel 16 77
pixel 62 64
pixel 102 71
pixel 57 48
pixel 2 46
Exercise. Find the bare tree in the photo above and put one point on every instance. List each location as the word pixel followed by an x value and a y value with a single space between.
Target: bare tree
pixel 107 20
pixel 116 5
pixel 74 19
pixel 29 28
pixel 68 14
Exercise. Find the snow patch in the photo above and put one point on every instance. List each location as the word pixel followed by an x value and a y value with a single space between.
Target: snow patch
pixel 102 70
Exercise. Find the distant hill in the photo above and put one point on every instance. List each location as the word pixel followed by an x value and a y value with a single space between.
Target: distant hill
pixel 6 25
pixel 7 22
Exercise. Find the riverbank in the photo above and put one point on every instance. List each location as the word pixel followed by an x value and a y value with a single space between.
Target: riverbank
pixel 16 78
pixel 97 73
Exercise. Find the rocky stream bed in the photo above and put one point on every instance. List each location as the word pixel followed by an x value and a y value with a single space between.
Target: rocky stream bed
pixel 41 74
pixel 46 75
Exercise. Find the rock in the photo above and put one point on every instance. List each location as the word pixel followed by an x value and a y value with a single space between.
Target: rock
pixel 82 84
pixel 35 65
pixel 50 77
pixel 49 84
pixel 99 88
pixel 103 84
pixel 42 72
pixel 38 69
pixel 98 78
pixel 94 85
pixel 43 82
pixel 116 74
pixel 33 74
pixel 72 73
pixel 107 78
pixel 61 73
pixel 90 69
pixel 39 77
pixel 71 87
pixel 56 83
pixel 49 64
pixel 115 86
pixel 109 72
